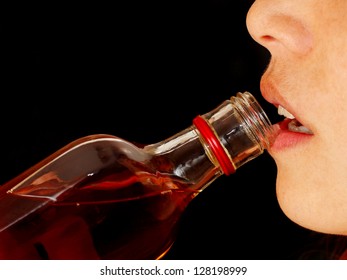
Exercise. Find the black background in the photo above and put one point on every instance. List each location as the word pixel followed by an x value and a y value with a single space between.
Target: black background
pixel 142 70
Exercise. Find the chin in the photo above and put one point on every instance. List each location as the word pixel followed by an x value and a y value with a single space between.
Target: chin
pixel 312 190
pixel 306 206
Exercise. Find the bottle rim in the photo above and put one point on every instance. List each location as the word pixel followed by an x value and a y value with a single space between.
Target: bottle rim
pixel 255 117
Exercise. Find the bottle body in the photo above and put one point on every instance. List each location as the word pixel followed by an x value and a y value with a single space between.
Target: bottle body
pixel 102 197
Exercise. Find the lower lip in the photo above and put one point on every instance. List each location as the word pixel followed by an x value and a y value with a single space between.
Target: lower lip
pixel 288 139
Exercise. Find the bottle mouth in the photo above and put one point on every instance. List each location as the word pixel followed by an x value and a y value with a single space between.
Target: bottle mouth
pixel 255 118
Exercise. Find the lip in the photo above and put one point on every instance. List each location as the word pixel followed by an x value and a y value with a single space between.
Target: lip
pixel 285 138
pixel 273 96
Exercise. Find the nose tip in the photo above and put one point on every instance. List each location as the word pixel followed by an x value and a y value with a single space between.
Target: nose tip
pixel 278 28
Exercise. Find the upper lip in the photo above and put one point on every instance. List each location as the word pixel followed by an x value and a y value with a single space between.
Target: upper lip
pixel 271 94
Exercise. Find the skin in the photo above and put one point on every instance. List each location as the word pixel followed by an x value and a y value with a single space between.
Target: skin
pixel 307 74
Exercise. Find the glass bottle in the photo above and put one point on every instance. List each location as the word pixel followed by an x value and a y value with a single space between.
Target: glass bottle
pixel 102 197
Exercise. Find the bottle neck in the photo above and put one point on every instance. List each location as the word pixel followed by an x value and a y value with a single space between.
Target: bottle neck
pixel 235 132
pixel 184 156
pixel 217 143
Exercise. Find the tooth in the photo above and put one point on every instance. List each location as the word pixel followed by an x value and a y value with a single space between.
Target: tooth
pixel 283 112
pixel 297 127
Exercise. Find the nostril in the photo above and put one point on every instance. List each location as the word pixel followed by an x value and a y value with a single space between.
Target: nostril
pixel 267 38
pixel 279 27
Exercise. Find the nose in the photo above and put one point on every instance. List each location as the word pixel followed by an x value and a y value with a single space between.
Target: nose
pixel 279 27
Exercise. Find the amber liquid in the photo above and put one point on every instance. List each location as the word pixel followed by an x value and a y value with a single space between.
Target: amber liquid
pixel 107 216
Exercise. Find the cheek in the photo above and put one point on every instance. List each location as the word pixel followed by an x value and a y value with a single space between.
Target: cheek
pixel 331 132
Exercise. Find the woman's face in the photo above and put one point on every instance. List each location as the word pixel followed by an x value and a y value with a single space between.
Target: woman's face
pixel 307 75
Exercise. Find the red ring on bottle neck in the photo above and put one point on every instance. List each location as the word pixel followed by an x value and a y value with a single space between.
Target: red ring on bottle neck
pixel 211 139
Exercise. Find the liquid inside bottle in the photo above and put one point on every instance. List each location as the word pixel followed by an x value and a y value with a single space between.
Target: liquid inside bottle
pixel 102 197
